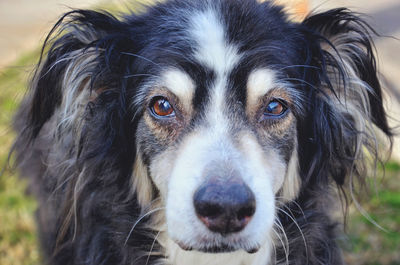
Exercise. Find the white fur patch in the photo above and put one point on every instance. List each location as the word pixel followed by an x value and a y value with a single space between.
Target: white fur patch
pixel 180 84
pixel 259 83
pixel 258 169
pixel 177 256
pixel 292 181
pixel 141 183
pixel 212 47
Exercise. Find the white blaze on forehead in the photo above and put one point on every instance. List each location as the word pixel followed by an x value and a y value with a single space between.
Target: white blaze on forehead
pixel 213 50
pixel 180 84
pixel 259 83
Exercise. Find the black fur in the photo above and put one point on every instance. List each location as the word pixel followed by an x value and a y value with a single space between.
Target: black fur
pixel 86 220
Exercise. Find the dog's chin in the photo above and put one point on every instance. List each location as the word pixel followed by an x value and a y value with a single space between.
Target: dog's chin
pixel 221 248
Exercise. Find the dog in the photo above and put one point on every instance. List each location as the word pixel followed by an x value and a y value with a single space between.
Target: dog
pixel 199 132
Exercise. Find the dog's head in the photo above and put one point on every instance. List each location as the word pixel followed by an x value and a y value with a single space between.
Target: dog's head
pixel 223 110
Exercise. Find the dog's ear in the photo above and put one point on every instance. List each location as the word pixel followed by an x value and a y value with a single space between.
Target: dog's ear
pixel 82 48
pixel 344 96
pixel 78 104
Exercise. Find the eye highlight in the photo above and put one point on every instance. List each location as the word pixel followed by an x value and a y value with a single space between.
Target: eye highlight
pixel 275 108
pixel 160 107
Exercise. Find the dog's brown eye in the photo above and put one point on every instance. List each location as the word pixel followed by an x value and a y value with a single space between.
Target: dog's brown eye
pixel 275 108
pixel 161 107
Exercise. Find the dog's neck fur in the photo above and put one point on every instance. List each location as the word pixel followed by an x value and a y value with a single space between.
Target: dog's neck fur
pixel 177 256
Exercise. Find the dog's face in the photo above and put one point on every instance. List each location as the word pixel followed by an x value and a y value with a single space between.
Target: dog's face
pixel 219 140
pixel 216 113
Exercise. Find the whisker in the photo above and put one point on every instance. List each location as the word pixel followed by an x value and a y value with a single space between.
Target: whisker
pixel 139 75
pixel 300 80
pixel 140 219
pixel 275 252
pixel 298 65
pixel 295 203
pixel 179 54
pixel 283 245
pixel 298 227
pixel 280 226
pixel 299 207
pixel 152 246
pixel 140 57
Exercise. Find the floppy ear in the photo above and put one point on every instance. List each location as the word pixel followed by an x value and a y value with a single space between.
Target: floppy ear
pixel 345 98
pixel 80 50
pixel 80 86
pixel 78 106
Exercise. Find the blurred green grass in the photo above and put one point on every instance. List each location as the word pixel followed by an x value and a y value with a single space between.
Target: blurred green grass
pixel 18 240
pixel 364 243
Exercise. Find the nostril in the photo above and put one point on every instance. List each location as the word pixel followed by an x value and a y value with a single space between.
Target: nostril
pixel 246 211
pixel 208 209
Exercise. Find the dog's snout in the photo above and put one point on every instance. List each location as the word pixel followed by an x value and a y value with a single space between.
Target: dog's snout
pixel 225 207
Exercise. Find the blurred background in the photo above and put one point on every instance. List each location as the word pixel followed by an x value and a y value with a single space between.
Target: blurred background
pixel 23 26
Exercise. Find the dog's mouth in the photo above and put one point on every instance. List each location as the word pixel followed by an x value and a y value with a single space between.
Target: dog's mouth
pixel 221 248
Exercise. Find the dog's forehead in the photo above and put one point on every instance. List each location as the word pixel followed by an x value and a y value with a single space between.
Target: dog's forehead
pixel 213 51
pixel 212 47
pixel 211 60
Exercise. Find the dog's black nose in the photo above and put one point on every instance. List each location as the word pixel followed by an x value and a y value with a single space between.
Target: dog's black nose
pixel 224 207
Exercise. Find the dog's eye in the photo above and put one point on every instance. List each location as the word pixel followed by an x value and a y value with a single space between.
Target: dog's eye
pixel 275 108
pixel 161 107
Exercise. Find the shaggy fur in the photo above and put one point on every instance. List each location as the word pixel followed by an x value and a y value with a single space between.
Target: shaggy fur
pixel 107 171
